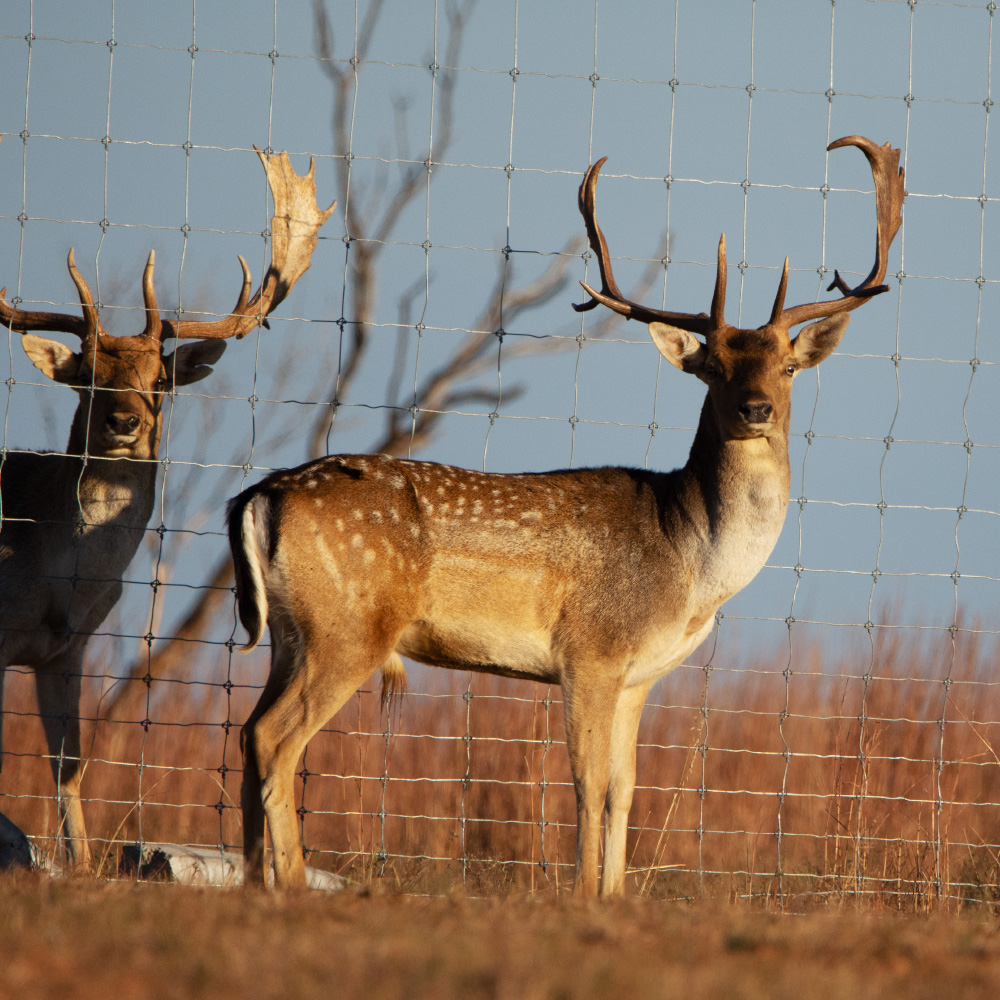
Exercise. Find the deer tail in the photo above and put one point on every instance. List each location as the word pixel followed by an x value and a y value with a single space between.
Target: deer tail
pixel 248 518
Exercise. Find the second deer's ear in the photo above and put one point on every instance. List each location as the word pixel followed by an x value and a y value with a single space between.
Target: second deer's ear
pixel 816 342
pixel 682 349
pixel 51 358
pixel 192 362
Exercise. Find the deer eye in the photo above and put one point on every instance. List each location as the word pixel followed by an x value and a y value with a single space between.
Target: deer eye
pixel 791 369
pixel 711 371
pixel 160 384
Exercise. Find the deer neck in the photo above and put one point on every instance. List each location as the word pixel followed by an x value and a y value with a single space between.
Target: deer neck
pixel 104 491
pixel 736 493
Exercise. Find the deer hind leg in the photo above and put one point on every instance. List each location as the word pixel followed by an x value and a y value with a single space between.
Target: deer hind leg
pixel 589 704
pixel 58 684
pixel 621 785
pixel 309 688
pixel 282 663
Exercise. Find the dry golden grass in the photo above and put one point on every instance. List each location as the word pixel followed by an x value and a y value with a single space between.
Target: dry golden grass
pixel 71 939
pixel 894 810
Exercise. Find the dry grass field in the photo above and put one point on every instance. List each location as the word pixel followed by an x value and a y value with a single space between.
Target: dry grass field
pixel 884 881
pixel 79 938
pixel 751 785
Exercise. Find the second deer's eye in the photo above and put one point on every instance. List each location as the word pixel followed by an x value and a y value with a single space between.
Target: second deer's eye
pixel 791 369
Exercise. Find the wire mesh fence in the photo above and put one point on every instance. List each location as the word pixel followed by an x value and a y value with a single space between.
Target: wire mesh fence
pixel 836 733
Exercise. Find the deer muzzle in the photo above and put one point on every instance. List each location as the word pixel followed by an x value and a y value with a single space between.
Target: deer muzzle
pixel 755 411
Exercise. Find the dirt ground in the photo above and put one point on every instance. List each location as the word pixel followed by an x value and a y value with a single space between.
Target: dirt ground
pixel 75 938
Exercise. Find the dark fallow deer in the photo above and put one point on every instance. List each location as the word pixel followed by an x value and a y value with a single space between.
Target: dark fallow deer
pixel 599 580
pixel 72 522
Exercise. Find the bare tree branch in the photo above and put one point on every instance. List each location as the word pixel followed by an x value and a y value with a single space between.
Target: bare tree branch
pixel 370 227
pixel 412 422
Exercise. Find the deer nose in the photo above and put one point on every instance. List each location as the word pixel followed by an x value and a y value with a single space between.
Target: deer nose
pixel 123 423
pixel 756 411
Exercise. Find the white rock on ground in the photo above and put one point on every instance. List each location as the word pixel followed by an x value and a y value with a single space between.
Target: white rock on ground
pixel 204 866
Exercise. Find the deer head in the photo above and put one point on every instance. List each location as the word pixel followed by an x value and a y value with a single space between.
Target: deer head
pixel 126 378
pixel 749 373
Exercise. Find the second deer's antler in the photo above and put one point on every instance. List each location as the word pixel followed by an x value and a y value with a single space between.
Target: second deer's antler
pixel 296 221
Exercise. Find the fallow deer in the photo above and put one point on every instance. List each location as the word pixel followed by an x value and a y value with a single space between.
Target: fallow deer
pixel 599 580
pixel 72 522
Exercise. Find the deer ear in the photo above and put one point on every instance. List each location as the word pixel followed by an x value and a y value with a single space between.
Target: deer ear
pixel 191 362
pixel 51 358
pixel 816 342
pixel 682 349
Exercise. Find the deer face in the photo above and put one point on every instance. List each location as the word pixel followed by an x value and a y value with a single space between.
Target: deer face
pixel 122 382
pixel 749 373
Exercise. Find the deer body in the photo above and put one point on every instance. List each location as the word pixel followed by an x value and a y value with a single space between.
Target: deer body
pixel 582 561
pixel 73 522
pixel 70 524
pixel 85 547
pixel 599 580
pixel 81 519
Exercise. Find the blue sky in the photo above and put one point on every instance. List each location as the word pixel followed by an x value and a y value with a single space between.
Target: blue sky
pixel 146 142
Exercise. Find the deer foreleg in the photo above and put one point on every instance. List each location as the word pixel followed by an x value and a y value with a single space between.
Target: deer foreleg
pixel 589 705
pixel 58 684
pixel 621 785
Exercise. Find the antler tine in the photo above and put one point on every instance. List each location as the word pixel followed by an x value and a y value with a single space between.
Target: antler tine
pixel 587 201
pixel 719 295
pixel 889 180
pixel 296 221
pixel 91 324
pixel 220 329
pixel 154 323
pixel 610 295
pixel 24 320
pixel 779 299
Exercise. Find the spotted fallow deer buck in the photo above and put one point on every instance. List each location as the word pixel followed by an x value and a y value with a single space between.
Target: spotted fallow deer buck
pixel 72 522
pixel 599 580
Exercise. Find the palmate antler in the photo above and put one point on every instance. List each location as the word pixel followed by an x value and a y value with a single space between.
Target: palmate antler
pixel 296 221
pixel 889 193
pixel 889 179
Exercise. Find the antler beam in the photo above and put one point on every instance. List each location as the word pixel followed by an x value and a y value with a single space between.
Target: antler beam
pixel 610 295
